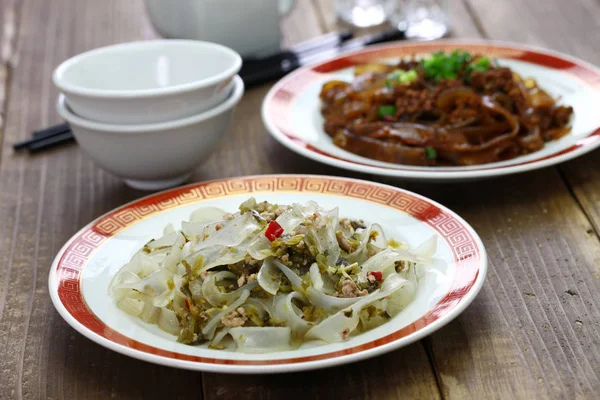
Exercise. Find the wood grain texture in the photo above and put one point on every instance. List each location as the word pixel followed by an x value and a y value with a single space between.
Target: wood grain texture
pixel 583 177
pixel 554 24
pixel 402 374
pixel 532 332
pixel 533 329
pixel 44 199
pixel 9 20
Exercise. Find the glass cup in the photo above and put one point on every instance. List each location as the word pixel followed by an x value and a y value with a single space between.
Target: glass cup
pixel 422 19
pixel 364 13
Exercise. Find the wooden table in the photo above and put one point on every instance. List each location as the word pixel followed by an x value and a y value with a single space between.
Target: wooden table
pixel 533 331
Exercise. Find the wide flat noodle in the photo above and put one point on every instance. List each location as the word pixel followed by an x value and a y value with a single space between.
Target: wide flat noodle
pixel 412 113
pixel 340 325
pixel 269 277
pixel 211 327
pixel 261 339
pixel 207 214
pixel 321 234
pixel 289 220
pixel 171 282
pixel 215 296
pixel 286 311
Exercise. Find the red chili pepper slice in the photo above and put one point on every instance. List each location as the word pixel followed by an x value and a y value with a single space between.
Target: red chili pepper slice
pixel 377 274
pixel 274 230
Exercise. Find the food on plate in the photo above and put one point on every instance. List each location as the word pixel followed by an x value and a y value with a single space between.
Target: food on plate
pixel 269 277
pixel 445 110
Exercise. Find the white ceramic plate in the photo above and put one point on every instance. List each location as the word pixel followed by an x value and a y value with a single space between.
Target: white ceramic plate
pixel 291 110
pixel 82 270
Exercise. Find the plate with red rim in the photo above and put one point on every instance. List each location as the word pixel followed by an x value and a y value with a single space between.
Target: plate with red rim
pixel 82 270
pixel 291 109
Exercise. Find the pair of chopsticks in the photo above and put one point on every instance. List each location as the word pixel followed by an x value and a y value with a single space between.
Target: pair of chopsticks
pixel 258 71
pixel 46 138
pixel 254 72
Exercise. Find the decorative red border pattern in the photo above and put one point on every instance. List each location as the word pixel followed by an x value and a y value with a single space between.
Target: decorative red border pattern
pixel 279 105
pixel 454 232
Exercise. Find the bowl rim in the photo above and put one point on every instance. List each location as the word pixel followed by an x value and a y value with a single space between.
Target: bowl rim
pixel 64 111
pixel 65 86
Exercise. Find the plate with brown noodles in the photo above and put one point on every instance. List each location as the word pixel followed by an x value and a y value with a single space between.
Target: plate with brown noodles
pixel 446 110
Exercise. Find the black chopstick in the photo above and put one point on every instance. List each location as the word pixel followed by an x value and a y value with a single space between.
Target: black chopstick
pixel 354 44
pixel 274 67
pixel 41 135
pixel 51 131
pixel 290 59
pixel 52 141
pixel 328 40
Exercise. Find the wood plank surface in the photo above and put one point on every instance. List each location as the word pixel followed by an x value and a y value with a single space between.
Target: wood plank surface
pixel 534 329
pixel 48 197
pixel 9 20
pixel 402 374
pixel 533 332
pixel 574 31
pixel 43 201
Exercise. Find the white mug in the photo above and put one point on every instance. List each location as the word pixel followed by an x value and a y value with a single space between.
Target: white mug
pixel 250 27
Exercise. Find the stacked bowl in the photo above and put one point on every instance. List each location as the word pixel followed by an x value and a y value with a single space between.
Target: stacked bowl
pixel 150 112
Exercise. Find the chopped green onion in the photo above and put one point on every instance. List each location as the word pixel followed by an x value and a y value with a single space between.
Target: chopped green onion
pixel 385 111
pixel 481 65
pixel 408 76
pixel 430 153
pixel 440 65
pixel 402 76
pixel 484 62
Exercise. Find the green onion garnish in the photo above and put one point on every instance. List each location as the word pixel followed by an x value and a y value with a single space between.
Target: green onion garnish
pixel 481 65
pixel 430 153
pixel 401 76
pixel 387 111
pixel 441 66
pixel 407 76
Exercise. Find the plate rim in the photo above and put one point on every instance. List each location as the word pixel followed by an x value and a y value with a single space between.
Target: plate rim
pixel 557 157
pixel 463 303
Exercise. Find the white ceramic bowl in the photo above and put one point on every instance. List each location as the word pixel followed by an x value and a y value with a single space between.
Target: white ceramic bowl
pixel 149 81
pixel 154 156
